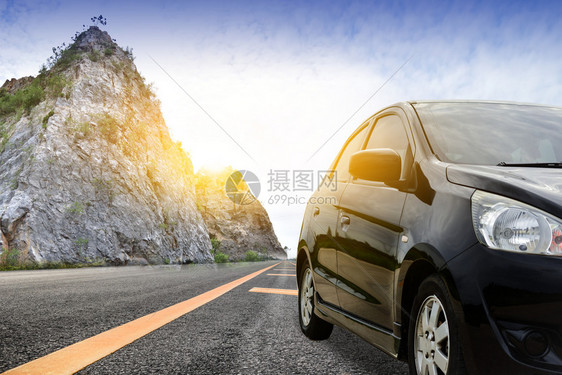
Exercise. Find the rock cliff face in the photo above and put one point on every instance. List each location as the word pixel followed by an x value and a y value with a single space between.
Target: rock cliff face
pixel 88 171
pixel 238 227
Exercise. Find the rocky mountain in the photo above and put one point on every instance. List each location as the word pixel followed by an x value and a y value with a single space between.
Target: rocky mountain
pixel 88 171
pixel 236 228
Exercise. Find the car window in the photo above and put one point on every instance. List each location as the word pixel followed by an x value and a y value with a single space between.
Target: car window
pixel 491 133
pixel 389 132
pixel 354 145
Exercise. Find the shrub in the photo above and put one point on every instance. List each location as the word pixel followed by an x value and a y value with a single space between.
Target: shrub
pixel 62 58
pixel 31 96
pixel 24 99
pixel 94 56
pixel 47 117
pixel 215 245
pixel 55 85
pixel 251 256
pixel 67 57
pixel 9 259
pixel 81 241
pixel 221 257
pixel 81 245
pixel 7 103
pixel 108 52
pixel 76 208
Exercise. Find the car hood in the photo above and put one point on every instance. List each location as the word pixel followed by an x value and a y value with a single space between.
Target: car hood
pixel 539 187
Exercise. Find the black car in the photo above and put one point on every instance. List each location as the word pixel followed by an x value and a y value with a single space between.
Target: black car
pixel 437 237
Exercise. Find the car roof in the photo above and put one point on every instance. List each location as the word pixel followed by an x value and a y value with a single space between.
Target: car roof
pixel 460 101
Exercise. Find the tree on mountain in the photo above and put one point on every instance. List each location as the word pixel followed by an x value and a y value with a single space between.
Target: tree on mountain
pixel 100 20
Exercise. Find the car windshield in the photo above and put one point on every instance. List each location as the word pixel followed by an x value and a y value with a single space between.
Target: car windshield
pixel 492 133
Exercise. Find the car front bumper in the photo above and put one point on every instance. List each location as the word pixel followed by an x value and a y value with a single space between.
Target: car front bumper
pixel 512 305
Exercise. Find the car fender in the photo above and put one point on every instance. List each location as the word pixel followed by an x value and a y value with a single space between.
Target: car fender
pixel 302 256
pixel 435 262
pixel 421 261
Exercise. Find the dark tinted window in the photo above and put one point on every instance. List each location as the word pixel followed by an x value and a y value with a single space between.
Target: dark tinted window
pixel 489 133
pixel 354 145
pixel 389 132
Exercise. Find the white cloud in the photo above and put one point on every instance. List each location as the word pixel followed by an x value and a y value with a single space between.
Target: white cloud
pixel 281 78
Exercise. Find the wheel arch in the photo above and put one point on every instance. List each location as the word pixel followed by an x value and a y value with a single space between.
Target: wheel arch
pixel 302 257
pixel 419 263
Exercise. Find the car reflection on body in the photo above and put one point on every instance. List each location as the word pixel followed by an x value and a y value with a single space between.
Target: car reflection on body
pixel 441 243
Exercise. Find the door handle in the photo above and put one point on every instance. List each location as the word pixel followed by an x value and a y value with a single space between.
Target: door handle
pixel 345 220
pixel 316 211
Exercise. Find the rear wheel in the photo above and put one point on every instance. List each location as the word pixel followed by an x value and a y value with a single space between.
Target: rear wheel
pixel 311 325
pixel 434 346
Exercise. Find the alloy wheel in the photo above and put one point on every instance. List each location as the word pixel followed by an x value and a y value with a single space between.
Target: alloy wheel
pixel 307 294
pixel 431 341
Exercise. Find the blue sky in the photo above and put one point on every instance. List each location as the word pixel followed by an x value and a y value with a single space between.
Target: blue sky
pixel 282 76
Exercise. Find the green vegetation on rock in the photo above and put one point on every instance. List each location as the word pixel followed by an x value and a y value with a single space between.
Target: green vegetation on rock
pixel 47 117
pixel 23 99
pixel 221 257
pixel 251 256
pixel 76 208
pixel 12 260
pixel 218 255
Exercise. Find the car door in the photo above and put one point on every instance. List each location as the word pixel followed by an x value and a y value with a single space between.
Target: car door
pixel 324 206
pixel 368 230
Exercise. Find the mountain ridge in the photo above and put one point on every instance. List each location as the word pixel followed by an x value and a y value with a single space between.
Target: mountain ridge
pixel 90 171
pixel 90 174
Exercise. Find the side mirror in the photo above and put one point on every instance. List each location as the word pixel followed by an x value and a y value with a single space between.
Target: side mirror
pixel 379 164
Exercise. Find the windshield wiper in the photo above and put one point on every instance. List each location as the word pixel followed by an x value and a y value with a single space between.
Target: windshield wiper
pixel 531 165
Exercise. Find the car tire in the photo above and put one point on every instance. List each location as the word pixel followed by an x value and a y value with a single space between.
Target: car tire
pixel 433 339
pixel 311 325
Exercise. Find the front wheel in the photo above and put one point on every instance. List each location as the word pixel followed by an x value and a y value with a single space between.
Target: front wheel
pixel 433 345
pixel 311 325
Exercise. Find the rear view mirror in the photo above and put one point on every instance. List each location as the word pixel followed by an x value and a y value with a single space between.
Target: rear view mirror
pixel 380 164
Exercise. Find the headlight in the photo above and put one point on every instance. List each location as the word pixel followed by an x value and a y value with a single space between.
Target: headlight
pixel 506 224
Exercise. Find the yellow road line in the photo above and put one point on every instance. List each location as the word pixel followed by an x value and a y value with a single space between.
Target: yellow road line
pixel 81 354
pixel 289 292
pixel 293 264
pixel 280 274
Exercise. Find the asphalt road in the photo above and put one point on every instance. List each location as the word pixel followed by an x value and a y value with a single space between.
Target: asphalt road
pixel 239 332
